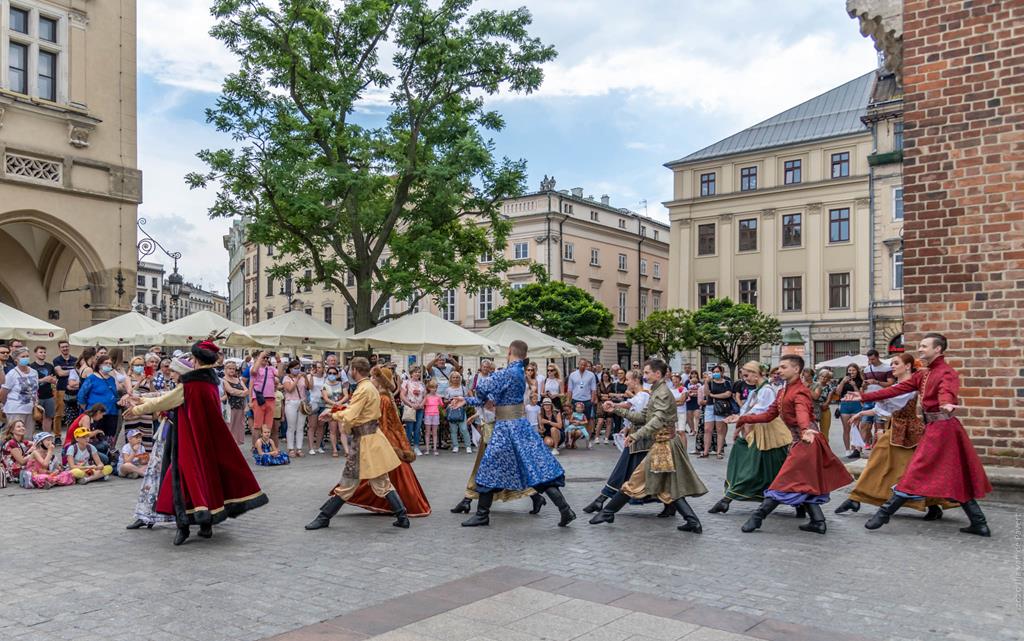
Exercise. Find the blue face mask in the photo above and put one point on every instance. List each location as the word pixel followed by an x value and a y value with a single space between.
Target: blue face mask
pixel 23 361
pixel 332 377
pixel 716 375
pixel 106 369
pixel 138 369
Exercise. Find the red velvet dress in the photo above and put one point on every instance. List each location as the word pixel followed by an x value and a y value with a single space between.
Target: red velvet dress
pixel 206 480
pixel 402 477
pixel 945 464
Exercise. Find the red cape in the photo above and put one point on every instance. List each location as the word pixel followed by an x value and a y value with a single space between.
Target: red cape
pixel 206 479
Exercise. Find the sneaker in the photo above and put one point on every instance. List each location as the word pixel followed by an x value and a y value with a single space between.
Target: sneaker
pixel 469 450
pixel 319 450
pixel 436 453
pixel 312 452
pixel 455 450
pixel 418 452
pixel 554 451
pixel 590 444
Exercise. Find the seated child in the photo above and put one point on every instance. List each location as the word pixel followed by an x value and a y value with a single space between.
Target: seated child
pixel 266 451
pixel 577 427
pixel 84 460
pixel 134 459
pixel 44 464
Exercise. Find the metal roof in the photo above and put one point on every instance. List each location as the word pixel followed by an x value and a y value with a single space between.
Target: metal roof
pixel 836 112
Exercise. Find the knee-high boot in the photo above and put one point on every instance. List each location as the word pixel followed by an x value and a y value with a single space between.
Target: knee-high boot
pixel 568 516
pixel 885 512
pixel 596 504
pixel 817 522
pixel 401 515
pixel 483 511
pixel 978 525
pixel 760 514
pixel 607 513
pixel 692 522
pixel 538 502
pixel 327 512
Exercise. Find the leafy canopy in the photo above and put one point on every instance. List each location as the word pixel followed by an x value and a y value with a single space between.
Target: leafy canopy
pixel 360 140
pixel 731 331
pixel 662 333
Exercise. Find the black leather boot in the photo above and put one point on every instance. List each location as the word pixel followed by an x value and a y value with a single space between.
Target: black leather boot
pixel 934 513
pixel 327 512
pixel 759 515
pixel 182 535
pixel 138 523
pixel 817 522
pixel 847 506
pixel 483 511
pixel 978 525
pixel 884 513
pixel 607 513
pixel 206 530
pixel 596 504
pixel 401 515
pixel 463 507
pixel 801 512
pixel 721 507
pixel 538 502
pixel 568 516
pixel 667 511
pixel 692 522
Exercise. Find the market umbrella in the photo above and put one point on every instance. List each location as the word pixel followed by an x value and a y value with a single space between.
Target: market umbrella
pixel 844 361
pixel 199 325
pixel 17 325
pixel 541 345
pixel 295 330
pixel 132 328
pixel 424 332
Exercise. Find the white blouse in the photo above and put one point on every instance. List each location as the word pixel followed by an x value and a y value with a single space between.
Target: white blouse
pixel 887 407
pixel 759 402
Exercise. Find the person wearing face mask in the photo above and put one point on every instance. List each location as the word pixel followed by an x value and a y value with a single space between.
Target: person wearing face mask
pixel 295 390
pixel 718 392
pixel 101 387
pixel 20 391
pixel 140 382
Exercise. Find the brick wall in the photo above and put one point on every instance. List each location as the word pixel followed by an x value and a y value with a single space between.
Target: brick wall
pixel 963 74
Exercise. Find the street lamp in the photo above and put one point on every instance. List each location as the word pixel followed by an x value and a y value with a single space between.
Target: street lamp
pixel 148 246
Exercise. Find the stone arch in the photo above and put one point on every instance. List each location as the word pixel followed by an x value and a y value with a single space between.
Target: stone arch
pixel 84 251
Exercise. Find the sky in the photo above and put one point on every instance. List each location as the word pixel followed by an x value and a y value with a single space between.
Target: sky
pixel 635 85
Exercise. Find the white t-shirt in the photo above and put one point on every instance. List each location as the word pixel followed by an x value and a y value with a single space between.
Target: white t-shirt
pixel 552 386
pixel 22 391
pixel 637 404
pixel 127 452
pixel 677 394
pixel 533 414
pixel 582 386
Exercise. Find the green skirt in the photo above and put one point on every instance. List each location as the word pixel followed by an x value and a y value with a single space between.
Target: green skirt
pixel 751 471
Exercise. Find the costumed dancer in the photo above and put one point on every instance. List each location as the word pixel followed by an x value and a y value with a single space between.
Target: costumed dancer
pixel 370 456
pixel 944 463
pixel 144 514
pixel 207 480
pixel 665 472
pixel 893 450
pixel 516 458
pixel 811 471
pixel 402 477
pixel 759 449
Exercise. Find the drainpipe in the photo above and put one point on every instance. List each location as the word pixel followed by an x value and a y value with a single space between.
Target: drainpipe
pixel 561 243
pixel 871 241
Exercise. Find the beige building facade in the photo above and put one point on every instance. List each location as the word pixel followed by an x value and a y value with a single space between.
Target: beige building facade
pixel 192 299
pixel 780 216
pixel 69 180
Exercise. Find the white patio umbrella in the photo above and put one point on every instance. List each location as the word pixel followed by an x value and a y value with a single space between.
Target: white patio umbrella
pixel 17 325
pixel 132 328
pixel 423 333
pixel 844 361
pixel 199 325
pixel 295 330
pixel 541 345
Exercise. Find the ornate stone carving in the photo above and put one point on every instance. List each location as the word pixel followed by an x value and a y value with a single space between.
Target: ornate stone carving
pixel 861 203
pixel 767 214
pixel 813 208
pixel 725 218
pixel 78 135
pixel 547 184
pixel 882 21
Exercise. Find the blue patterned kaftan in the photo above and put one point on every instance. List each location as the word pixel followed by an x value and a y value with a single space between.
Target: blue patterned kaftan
pixel 516 457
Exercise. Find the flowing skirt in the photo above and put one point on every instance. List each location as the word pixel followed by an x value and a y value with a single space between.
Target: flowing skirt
pixel 945 465
pixel 751 471
pixel 406 484
pixel 886 466
pixel 151 481
pixel 516 459
pixel 809 474
pixel 267 459
pixel 624 468
pixel 666 486
pixel 502 495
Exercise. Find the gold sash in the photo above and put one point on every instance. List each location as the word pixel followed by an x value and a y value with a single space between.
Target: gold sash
pixel 661 453
pixel 769 436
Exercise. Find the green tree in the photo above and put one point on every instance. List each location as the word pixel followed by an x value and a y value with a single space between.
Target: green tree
pixel 662 333
pixel 731 331
pixel 347 163
pixel 557 309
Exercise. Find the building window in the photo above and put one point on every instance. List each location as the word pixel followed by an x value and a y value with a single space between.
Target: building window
pixel 897 136
pixel 566 208
pixel 657 270
pixel 46 81
pixel 448 305
pixel 643 306
pixel 155 282
pixel 485 303
pixel 328 315
pixel 792 232
pixel 838 225
pixel 153 297
pixel 643 266
pixel 47 29
pixel 486 256
pixel 705 293
pixel 656 298
pixel 622 307
pixel 897 203
pixel 792 294
pixel 707 184
pixel 308 278
pixel 622 262
pixel 748 179
pixel 32 41
pixel 521 251
pixel 17 67
pixel 827 350
pixel 141 297
pixel 643 230
pixel 270 315
pixel 517 286
pixel 897 270
pixel 350 279
pixel 569 252
pixel 706 240
pixel 385 312
pixel 141 280
pixel 655 234
pixel 791 172
pixel 622 223
pixel 350 317
pixel 270 285
pixel 593 215
pixel 748 291
pixel 270 251
pixel 309 311
pixel 841 165
pixel 595 257
pixel 839 291
pixel 19 20
pixel 748 235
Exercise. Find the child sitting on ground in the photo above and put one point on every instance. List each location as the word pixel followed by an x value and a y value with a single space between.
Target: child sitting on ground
pixel 134 459
pixel 577 428
pixel 266 451
pixel 84 460
pixel 44 464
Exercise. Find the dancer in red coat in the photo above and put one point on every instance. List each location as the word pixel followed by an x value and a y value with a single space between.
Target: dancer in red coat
pixel 945 464
pixel 206 478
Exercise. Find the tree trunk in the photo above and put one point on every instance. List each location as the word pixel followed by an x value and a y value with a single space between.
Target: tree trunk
pixel 364 298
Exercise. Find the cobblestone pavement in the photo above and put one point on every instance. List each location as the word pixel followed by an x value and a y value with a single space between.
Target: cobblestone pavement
pixel 73 572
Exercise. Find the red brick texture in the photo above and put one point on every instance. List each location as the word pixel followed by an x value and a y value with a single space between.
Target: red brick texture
pixel 963 76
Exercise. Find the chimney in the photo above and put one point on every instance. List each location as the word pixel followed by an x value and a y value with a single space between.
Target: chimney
pixel 604 199
pixel 577 192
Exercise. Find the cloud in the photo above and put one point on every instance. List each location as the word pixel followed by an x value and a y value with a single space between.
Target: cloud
pixel 175 47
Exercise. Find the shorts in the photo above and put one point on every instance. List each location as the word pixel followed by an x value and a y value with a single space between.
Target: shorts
pixel 710 416
pixel 692 405
pixel 49 406
pixel 849 407
pixel 681 424
pixel 432 419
